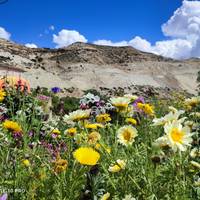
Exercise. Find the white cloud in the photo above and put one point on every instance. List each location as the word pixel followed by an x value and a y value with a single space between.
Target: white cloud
pixel 140 43
pixel 67 37
pixel 183 28
pixel 110 43
pixel 4 34
pixel 31 45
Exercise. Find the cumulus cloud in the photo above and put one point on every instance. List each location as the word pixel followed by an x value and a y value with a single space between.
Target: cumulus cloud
pixel 110 43
pixel 4 34
pixel 183 28
pixel 66 37
pixel 31 45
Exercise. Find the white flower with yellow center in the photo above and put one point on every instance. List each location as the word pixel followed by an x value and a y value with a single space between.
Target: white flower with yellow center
pixel 178 137
pixel 126 135
pixel 77 115
pixel 192 102
pixel 121 103
pixel 171 116
pixel 120 164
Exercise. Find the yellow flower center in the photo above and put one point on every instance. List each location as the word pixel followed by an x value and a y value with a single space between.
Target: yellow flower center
pixel 177 136
pixel 127 135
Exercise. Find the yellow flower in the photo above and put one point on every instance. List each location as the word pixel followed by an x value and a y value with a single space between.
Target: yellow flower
pixel 93 137
pixel 77 115
pixel 56 132
pixel 71 131
pixel 131 121
pixel 146 108
pixel 93 126
pixel 120 164
pixel 126 135
pixel 103 118
pixel 26 162
pixel 86 156
pixel 121 103
pixel 12 126
pixel 2 95
pixel 105 196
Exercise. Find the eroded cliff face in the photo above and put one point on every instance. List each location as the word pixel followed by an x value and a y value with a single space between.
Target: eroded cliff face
pixel 85 66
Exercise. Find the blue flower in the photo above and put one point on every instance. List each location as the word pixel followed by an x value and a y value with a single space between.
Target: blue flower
pixel 55 89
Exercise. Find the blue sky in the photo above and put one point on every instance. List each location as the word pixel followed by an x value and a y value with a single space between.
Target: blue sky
pixel 139 23
pixel 96 19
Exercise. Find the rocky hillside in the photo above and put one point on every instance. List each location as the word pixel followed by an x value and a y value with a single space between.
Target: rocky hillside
pixel 86 66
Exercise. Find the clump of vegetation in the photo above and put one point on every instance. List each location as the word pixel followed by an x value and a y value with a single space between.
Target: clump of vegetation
pixel 121 148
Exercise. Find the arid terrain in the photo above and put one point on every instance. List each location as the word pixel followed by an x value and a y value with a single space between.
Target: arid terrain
pixel 87 66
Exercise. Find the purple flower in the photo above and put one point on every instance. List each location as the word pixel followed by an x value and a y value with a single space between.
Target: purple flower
pixel 17 135
pixel 4 197
pixel 55 89
pixel 138 100
pixel 31 133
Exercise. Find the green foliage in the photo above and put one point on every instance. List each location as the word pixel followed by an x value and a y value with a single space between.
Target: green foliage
pixel 198 81
pixel 151 173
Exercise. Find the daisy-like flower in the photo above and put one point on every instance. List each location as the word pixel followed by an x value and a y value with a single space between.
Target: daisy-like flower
pixel 195 152
pixel 120 165
pixel 146 108
pixel 2 95
pixel 93 137
pixel 192 102
pixel 71 131
pixel 93 126
pixel 77 115
pixel 178 137
pixel 161 142
pixel 12 126
pixel 131 121
pixel 191 124
pixel 86 156
pixel 171 116
pixel 126 135
pixel 103 118
pixel 106 196
pixel 121 103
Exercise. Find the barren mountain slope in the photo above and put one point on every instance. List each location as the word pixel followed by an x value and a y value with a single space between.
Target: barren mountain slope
pixel 87 66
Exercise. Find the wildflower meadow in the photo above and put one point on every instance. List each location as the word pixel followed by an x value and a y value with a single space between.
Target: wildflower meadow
pixel 123 147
